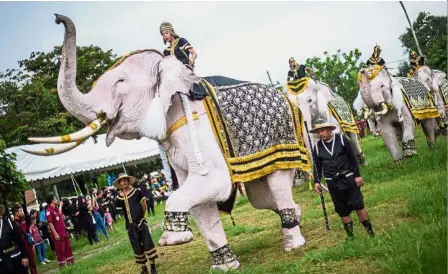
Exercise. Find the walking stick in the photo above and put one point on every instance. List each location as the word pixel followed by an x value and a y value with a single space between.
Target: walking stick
pixel 322 201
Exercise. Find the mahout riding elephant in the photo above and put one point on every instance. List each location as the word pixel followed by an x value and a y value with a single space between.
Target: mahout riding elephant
pixel 398 103
pixel 239 132
pixel 316 100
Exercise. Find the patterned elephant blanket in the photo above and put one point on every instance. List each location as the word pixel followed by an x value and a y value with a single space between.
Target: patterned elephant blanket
pixel 342 112
pixel 443 89
pixel 258 129
pixel 418 99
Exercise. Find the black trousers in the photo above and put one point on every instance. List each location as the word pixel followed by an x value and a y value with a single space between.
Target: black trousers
pixel 142 244
pixel 348 199
pixel 15 267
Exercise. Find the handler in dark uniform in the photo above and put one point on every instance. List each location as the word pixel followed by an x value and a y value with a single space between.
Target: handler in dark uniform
pixel 13 253
pixel 133 203
pixel 296 71
pixel 416 62
pixel 334 157
pixel 179 47
pixel 376 59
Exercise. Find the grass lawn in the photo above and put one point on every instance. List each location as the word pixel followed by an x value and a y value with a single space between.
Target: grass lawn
pixel 407 205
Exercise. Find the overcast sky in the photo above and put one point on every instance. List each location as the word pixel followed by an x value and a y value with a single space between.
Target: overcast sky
pixel 235 39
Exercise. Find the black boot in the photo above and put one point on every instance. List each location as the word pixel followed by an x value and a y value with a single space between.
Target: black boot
pixel 144 270
pixel 368 225
pixel 153 269
pixel 349 229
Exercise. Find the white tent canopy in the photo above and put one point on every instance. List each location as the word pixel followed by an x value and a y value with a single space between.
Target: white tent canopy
pixel 86 157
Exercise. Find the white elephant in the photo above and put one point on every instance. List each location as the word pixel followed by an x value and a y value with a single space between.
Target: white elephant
pixel 368 114
pixel 316 100
pixel 397 102
pixel 145 95
pixel 435 82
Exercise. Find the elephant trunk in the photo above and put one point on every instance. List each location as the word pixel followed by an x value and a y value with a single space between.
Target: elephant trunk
pixel 366 92
pixel 77 103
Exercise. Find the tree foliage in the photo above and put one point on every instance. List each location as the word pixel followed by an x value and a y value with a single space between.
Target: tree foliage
pixel 29 103
pixel 339 71
pixel 431 32
pixel 12 181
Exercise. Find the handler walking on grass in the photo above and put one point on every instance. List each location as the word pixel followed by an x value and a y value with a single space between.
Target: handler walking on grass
pixel 334 157
pixel 134 207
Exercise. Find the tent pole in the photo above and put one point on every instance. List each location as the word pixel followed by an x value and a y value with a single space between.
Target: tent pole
pixel 43 189
pixel 124 168
pixel 74 186
pixel 56 193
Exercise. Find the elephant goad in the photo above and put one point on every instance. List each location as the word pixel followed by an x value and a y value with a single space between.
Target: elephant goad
pixel 240 132
pixel 316 100
pixel 398 103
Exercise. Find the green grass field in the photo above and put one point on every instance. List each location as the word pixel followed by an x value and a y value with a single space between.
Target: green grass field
pixel 407 205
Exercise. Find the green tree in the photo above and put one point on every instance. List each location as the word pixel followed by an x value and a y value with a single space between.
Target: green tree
pixel 12 181
pixel 431 32
pixel 29 104
pixel 339 71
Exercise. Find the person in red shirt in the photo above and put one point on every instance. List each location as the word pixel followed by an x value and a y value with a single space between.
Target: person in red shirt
pixel 59 232
pixel 19 219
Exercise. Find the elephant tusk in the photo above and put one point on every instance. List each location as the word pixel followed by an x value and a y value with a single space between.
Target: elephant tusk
pixel 383 111
pixel 83 134
pixel 55 150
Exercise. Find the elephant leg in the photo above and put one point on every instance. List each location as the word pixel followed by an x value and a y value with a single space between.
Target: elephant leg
pixel 260 197
pixel 209 222
pixel 357 147
pixel 408 141
pixel 390 140
pixel 196 190
pixel 428 126
pixel 279 183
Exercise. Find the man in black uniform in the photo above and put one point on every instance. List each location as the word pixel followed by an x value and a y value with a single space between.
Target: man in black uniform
pixel 296 71
pixel 335 158
pixel 133 203
pixel 415 62
pixel 13 254
pixel 376 59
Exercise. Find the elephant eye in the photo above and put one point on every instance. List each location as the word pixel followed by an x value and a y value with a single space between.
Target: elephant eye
pixel 309 100
pixel 120 80
pixel 382 85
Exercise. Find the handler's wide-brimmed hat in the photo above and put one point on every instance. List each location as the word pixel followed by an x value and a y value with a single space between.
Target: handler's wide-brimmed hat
pixel 322 124
pixel 132 179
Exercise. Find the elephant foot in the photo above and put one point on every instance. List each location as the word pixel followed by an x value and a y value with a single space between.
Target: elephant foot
pixel 292 238
pixel 175 229
pixel 226 267
pixel 298 213
pixel 400 161
pixel 361 159
pixel 408 153
pixel 224 259
pixel 409 148
pixel 175 238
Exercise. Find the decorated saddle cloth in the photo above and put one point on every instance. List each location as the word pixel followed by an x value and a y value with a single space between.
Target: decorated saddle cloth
pixel 297 86
pixel 418 99
pixel 258 129
pixel 443 89
pixel 342 112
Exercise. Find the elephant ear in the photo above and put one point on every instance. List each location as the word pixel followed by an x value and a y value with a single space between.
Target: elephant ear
pixel 358 104
pixel 174 77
